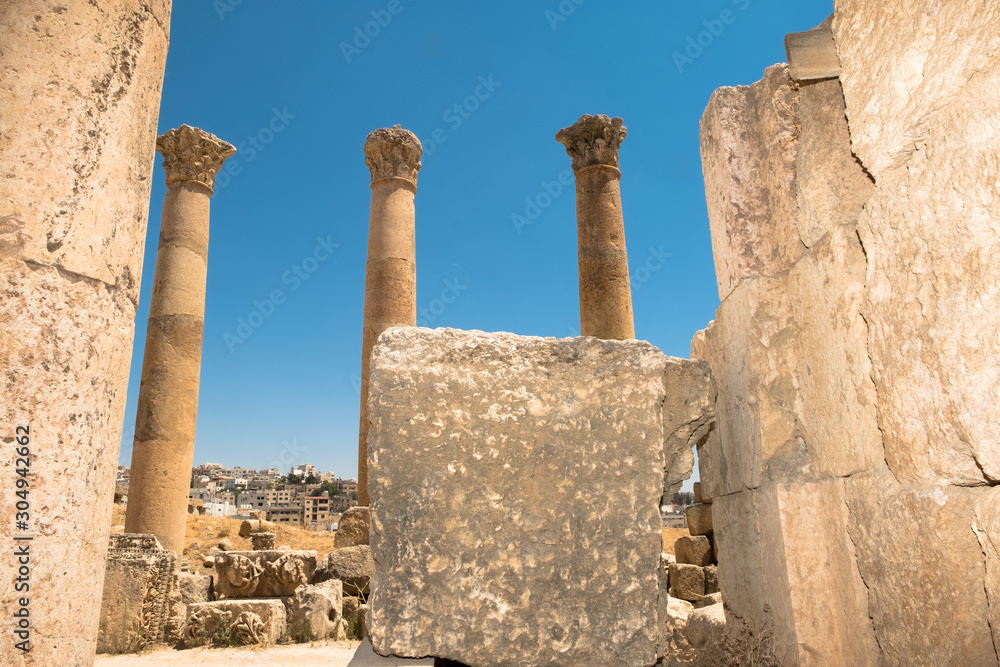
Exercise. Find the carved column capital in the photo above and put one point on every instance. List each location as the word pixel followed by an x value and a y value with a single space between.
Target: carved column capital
pixel 191 154
pixel 393 152
pixel 593 141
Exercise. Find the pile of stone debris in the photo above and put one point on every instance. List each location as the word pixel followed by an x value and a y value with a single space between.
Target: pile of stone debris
pixel 264 596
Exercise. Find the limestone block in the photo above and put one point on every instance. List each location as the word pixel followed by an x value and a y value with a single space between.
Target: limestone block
pixel 921 89
pixel 194 588
pixel 314 612
pixel 677 615
pixel 987 528
pixel 699 520
pixel 243 622
pixel 251 526
pixel 688 415
pixel 711 579
pixel 923 565
pixel 353 528
pixel 789 358
pixel 706 626
pixel 350 605
pixel 137 585
pixel 354 566
pixel 245 574
pixel 262 541
pixel 787 563
pixel 699 496
pixel 687 581
pixel 710 598
pixel 492 457
pixel 693 550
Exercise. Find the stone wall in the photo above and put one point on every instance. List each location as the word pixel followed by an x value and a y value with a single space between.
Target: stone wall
pixel 79 98
pixel 855 230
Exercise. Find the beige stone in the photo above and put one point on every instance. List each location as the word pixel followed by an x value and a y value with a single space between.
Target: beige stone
pixel 262 541
pixel 788 565
pixel 699 495
pixel 605 294
pixel 699 519
pixel 251 526
pixel 354 566
pixel 166 415
pixel 493 457
pixel 314 612
pixel 706 626
pixel 923 565
pixel 245 574
pixel 79 97
pixel 688 415
pixel 194 588
pixel 920 81
pixel 678 612
pixel 138 583
pixel 694 550
pixel 711 580
pixel 687 581
pixel 353 528
pixel 393 158
pixel 242 622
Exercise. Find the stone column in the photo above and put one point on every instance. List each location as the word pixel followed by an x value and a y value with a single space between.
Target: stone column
pixel 605 296
pixel 79 98
pixel 393 157
pixel 168 393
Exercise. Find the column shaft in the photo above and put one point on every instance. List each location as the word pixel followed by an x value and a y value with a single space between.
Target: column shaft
pixel 79 98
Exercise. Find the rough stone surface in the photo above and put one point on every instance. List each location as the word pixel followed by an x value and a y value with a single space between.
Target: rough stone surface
pixel 194 588
pixel 699 519
pixel 693 550
pixel 137 586
pixel 245 621
pixel 515 490
pixel 251 526
pixel 353 528
pixel 706 626
pixel 920 81
pixel 677 615
pixel 923 565
pixel 688 416
pixel 314 612
pixel 786 554
pixel 699 496
pixel 687 581
pixel 245 574
pixel 262 541
pixel 710 598
pixel 79 97
pixel 711 580
pixel 354 566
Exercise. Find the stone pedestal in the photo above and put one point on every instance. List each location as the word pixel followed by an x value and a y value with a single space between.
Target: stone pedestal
pixel 171 365
pixel 79 97
pixel 393 157
pixel 605 295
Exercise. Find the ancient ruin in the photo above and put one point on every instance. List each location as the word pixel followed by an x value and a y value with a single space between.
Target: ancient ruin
pixel 393 157
pixel 171 364
pixel 605 296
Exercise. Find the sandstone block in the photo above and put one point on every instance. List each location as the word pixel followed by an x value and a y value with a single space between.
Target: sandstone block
pixel 491 458
pixel 710 598
pixel 678 612
pixel 706 626
pixel 251 526
pixel 354 566
pixel 699 519
pixel 353 528
pixel 314 612
pixel 711 579
pixel 226 544
pixel 262 541
pixel 693 550
pixel 194 588
pixel 350 605
pixel 687 581
pixel 245 574
pixel 688 415
pixel 138 581
pixel 243 622
pixel 699 496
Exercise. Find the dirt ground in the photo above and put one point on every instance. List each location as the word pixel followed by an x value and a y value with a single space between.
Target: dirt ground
pixel 670 535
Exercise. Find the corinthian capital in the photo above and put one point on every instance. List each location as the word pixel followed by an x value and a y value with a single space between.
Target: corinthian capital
pixel 190 154
pixel 393 152
pixel 593 141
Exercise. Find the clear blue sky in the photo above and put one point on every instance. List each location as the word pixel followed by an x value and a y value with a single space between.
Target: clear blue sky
pixel 278 73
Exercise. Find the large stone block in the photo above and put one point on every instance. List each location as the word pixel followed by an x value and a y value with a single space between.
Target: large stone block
pixel 787 564
pixel 920 558
pixel 694 549
pixel 353 528
pixel 354 566
pixel 241 622
pixel 247 574
pixel 920 81
pixel 687 581
pixel 314 612
pixel 515 484
pixel 138 583
pixel 699 519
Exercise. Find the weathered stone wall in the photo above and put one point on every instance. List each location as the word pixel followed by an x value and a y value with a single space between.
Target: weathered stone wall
pixel 515 486
pixel 79 98
pixel 854 352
